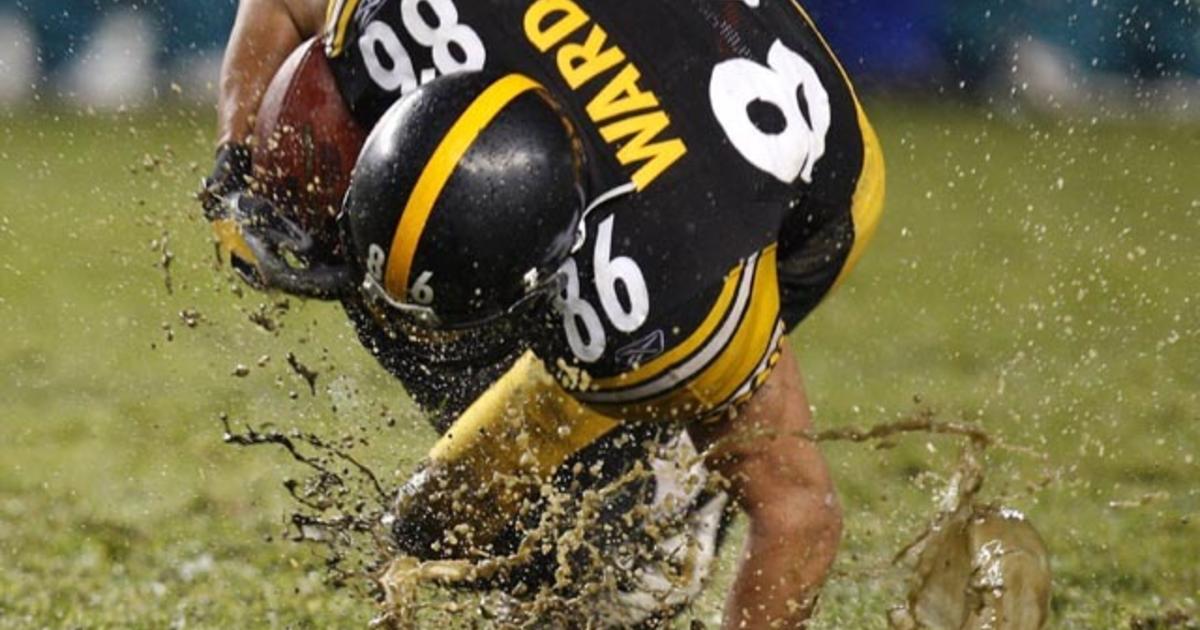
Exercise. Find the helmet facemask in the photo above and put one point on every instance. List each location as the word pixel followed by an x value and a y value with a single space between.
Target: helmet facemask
pixel 418 321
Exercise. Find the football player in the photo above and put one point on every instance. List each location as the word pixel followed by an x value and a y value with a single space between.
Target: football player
pixel 604 214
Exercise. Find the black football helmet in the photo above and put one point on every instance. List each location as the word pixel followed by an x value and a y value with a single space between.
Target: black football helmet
pixel 465 201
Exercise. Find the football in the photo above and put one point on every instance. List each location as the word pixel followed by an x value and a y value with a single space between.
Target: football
pixel 306 142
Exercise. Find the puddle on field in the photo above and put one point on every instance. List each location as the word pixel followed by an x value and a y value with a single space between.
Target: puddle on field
pixel 977 565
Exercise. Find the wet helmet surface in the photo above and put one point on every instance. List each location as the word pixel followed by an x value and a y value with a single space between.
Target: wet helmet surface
pixel 465 200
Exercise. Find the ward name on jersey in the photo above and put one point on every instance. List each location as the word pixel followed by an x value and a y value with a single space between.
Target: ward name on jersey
pixel 721 138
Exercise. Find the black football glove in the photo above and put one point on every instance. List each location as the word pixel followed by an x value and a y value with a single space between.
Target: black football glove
pixel 267 250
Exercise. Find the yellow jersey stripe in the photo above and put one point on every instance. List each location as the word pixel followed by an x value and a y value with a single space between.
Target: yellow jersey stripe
pixel 673 377
pixel 769 359
pixel 740 359
pixel 437 172
pixel 664 362
pixel 732 356
pixel 337 18
pixel 744 358
pixel 869 193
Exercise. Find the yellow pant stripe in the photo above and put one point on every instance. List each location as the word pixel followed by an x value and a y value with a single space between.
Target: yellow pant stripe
pixel 504 446
pixel 523 422
pixel 437 172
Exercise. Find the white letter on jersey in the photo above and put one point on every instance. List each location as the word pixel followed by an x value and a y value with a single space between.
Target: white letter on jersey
pixel 793 150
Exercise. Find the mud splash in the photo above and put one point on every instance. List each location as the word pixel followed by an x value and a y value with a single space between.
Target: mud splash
pixel 632 553
pixel 635 568
pixel 977 565
pixel 341 502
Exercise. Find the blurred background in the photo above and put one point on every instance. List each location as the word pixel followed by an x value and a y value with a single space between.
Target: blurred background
pixel 1114 57
pixel 1036 274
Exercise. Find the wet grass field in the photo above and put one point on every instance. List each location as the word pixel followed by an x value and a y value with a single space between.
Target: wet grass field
pixel 1040 279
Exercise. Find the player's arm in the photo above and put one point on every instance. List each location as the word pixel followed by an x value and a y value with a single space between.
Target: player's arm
pixel 265 33
pixel 248 227
pixel 782 482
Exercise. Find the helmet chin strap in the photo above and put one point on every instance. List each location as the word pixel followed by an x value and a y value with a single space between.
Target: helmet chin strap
pixel 581 231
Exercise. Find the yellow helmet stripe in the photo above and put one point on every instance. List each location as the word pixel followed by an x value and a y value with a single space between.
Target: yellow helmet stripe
pixel 437 172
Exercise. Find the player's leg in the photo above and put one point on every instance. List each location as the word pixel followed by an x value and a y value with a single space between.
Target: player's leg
pixel 781 481
pixel 491 462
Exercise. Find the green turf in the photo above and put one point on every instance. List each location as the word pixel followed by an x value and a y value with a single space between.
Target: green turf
pixel 1040 279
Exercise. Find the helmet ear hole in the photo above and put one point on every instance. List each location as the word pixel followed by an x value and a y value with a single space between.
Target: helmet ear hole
pixel 474 183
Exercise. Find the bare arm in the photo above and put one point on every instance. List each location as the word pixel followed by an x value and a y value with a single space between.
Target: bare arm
pixel 265 33
pixel 783 484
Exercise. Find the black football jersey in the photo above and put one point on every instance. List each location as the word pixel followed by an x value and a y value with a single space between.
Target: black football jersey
pixel 705 123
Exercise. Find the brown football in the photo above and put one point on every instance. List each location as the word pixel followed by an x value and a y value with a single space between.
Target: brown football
pixel 306 142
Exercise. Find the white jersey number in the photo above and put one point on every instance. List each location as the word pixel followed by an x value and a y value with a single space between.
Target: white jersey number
pixel 581 321
pixel 585 331
pixel 792 149
pixel 454 47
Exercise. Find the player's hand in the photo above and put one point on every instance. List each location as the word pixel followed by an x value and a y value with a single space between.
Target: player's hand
pixel 267 250
pixel 218 196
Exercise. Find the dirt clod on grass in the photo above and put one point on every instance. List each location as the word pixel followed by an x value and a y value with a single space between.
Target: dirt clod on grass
pixel 1170 620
